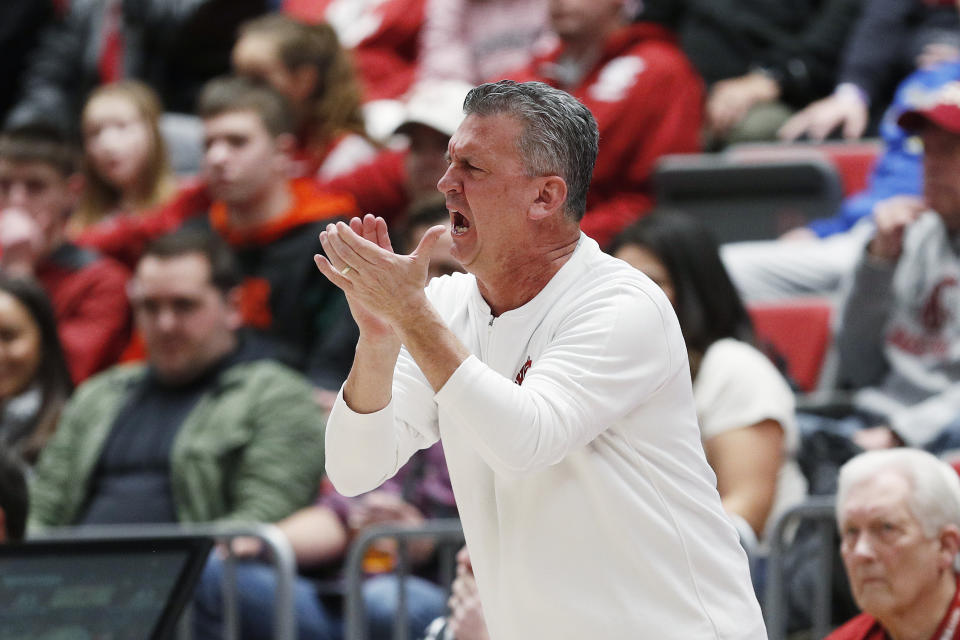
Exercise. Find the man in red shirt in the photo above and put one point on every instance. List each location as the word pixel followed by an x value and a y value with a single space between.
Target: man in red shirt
pixel 642 90
pixel 39 184
pixel 899 516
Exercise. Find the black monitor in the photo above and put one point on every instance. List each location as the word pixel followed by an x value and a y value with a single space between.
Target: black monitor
pixel 127 589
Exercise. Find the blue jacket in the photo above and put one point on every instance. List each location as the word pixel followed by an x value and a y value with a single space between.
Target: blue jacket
pixel 899 169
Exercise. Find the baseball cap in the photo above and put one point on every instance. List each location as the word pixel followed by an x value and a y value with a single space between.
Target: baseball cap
pixel 941 109
pixel 437 104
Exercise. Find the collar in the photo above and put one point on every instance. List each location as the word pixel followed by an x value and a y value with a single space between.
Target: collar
pixel 310 204
pixel 950 624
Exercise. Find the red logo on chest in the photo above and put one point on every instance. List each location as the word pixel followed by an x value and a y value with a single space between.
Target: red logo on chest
pixel 523 370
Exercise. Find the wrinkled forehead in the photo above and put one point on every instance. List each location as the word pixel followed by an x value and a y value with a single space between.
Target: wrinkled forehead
pixel 882 495
pixel 499 133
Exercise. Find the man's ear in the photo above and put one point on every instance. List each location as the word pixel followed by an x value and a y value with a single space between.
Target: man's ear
pixel 234 300
pixel 551 198
pixel 949 545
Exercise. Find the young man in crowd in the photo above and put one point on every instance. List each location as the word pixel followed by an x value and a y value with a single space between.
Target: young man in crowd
pixel 271 223
pixel 39 185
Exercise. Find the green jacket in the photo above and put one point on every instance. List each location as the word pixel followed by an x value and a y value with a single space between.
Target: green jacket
pixel 251 450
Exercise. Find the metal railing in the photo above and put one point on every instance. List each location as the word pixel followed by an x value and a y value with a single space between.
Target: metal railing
pixel 280 556
pixel 819 509
pixel 447 533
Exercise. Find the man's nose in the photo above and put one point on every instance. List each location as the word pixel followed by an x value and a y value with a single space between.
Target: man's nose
pixel 863 547
pixel 166 319
pixel 17 195
pixel 216 154
pixel 448 181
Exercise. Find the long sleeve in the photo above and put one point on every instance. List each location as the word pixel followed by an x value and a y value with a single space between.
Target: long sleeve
pixel 364 450
pixel 55 78
pixel 919 424
pixel 54 476
pixel 806 63
pixel 93 318
pixel 282 465
pixel 867 308
pixel 869 61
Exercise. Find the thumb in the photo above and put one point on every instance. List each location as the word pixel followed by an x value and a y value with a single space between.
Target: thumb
pixel 427 242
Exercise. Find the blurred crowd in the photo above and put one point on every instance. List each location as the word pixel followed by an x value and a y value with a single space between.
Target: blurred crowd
pixel 168 349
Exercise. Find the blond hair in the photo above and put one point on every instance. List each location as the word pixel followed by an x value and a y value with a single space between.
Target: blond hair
pixel 157 183
pixel 336 104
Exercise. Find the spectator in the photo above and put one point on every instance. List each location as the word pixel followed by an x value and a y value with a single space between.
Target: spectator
pixel 383 37
pixel 889 39
pixel 320 533
pixel 130 194
pixel 38 190
pixel 172 46
pixel 207 430
pixel 744 406
pixel 34 379
pixel 645 95
pixel 307 65
pixel 272 223
pixel 814 260
pixel 474 40
pixel 395 179
pixel 899 517
pixel 898 334
pixel 126 168
pixel 14 500
pixel 761 61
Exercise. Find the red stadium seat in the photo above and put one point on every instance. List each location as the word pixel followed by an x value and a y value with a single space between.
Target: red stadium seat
pixel 853 160
pixel 800 332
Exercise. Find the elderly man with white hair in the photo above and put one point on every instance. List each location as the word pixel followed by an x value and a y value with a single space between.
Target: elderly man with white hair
pixel 899 516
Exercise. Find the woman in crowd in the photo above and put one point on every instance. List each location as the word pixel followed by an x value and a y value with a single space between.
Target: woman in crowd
pixel 126 168
pixel 745 407
pixel 34 379
pixel 309 67
pixel 130 193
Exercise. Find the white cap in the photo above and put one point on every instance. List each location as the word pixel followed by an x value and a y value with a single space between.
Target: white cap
pixel 437 104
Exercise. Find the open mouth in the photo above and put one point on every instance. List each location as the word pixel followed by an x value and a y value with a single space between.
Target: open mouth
pixel 460 224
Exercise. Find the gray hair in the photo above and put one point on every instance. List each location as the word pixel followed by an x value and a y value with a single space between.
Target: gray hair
pixel 934 497
pixel 559 136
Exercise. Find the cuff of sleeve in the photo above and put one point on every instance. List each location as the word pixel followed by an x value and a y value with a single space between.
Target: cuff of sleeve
pixel 359 421
pixel 850 91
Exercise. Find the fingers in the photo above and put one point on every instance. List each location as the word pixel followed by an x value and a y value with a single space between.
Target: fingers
pixel 330 272
pixel 856 123
pixel 794 127
pixel 354 248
